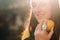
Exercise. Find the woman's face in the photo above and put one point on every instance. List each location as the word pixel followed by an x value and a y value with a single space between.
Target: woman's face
pixel 41 9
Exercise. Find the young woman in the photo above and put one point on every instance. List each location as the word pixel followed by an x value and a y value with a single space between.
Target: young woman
pixel 45 9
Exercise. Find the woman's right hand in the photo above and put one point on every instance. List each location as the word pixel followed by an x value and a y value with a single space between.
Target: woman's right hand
pixel 42 34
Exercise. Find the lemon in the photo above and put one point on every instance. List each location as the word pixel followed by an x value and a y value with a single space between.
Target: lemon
pixel 50 24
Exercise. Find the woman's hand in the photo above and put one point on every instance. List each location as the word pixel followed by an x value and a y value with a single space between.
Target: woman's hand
pixel 42 34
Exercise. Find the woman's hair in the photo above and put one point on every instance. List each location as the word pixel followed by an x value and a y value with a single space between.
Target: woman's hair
pixel 55 18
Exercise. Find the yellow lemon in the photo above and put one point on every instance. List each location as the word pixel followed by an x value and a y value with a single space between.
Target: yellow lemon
pixel 50 24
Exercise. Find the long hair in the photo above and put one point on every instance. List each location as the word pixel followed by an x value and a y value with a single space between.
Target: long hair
pixel 55 18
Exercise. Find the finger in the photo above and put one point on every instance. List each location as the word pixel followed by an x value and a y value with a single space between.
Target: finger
pixel 39 26
pixel 50 33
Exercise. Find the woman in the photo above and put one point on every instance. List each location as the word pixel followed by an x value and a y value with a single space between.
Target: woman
pixel 51 7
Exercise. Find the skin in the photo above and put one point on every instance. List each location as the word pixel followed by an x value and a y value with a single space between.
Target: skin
pixel 42 34
pixel 42 11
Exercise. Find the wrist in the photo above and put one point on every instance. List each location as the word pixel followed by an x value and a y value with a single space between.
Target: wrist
pixel 37 37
